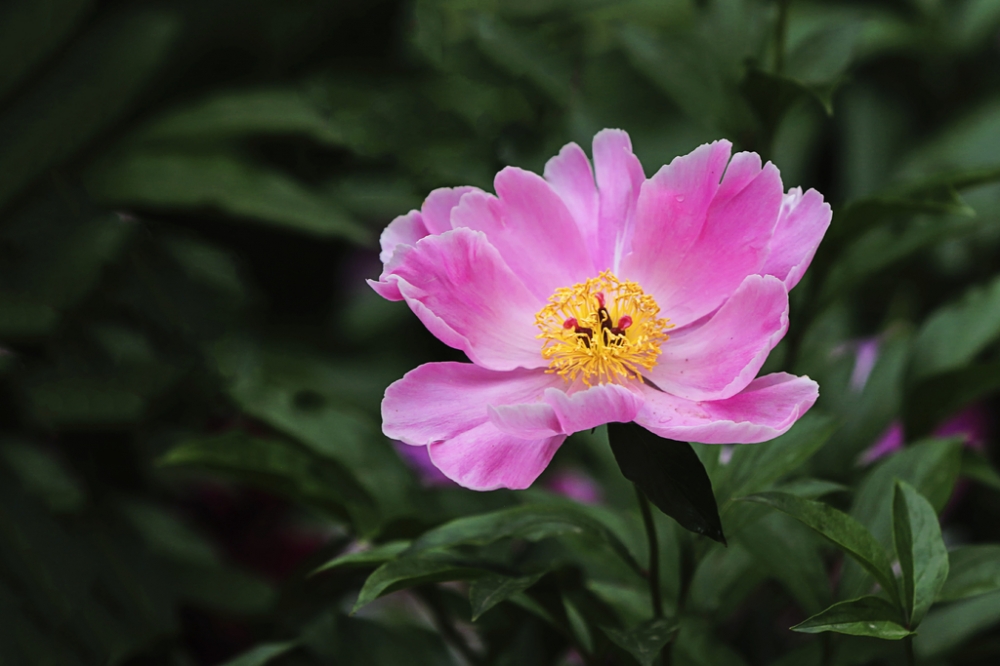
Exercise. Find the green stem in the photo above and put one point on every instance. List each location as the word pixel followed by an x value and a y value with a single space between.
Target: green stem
pixel 780 35
pixel 911 657
pixel 654 553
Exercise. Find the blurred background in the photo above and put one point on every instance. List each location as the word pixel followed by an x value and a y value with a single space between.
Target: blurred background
pixel 191 365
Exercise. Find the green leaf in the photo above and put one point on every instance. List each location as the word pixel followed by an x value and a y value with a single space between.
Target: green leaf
pixel 90 86
pixel 920 549
pixel 374 556
pixel 945 629
pixel 30 30
pixel 754 468
pixel 256 111
pixel 936 398
pixel 411 570
pixel 977 467
pixel 43 476
pixel 973 570
pixel 884 246
pixel 524 56
pixel 279 466
pixel 788 552
pixel 491 589
pixel 670 474
pixel 968 326
pixel 843 531
pixel 529 522
pixel 240 188
pixel 681 66
pixel 261 655
pixel 322 403
pixel 930 466
pixel 223 588
pixel 578 625
pixel 645 641
pixel 866 616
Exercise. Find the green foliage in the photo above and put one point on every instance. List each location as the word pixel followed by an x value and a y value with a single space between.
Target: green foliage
pixel 192 469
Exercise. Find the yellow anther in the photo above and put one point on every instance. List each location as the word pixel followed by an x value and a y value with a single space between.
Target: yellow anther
pixel 601 331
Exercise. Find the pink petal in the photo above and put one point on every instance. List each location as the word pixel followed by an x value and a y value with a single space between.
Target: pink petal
pixel 742 169
pixel 486 459
pixel 404 230
pixel 708 262
pixel 532 229
pixel 439 401
pixel 433 218
pixel 717 359
pixel 802 222
pixel 439 204
pixel 569 175
pixel 890 442
pixel 763 410
pixel 619 179
pixel 561 413
pixel 464 293
pixel 670 213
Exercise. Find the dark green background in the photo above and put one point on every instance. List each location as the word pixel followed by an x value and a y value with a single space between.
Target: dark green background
pixel 191 193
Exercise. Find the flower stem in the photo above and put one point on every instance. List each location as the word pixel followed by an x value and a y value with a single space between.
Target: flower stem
pixel 780 35
pixel 911 657
pixel 654 553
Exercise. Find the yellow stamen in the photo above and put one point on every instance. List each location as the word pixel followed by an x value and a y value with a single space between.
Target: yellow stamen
pixel 601 331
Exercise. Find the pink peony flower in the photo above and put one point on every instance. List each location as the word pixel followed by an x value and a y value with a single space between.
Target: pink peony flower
pixel 584 297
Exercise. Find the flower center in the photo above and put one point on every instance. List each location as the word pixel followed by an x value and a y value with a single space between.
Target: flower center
pixel 601 331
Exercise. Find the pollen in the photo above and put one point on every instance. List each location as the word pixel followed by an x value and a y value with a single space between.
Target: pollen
pixel 601 331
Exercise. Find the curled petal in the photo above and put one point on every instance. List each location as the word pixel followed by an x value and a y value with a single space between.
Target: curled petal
pixel 404 231
pixel 485 458
pixel 718 358
pixel 802 222
pixel 438 205
pixel 433 218
pixel 439 401
pixel 766 408
pixel 464 293
pixel 562 413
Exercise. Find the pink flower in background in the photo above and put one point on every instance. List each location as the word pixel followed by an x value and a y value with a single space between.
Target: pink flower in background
pixel 576 485
pixel 971 424
pixel 591 296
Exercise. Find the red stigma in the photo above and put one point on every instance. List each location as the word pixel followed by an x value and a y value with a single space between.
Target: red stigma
pixel 624 322
pixel 569 323
pixel 600 298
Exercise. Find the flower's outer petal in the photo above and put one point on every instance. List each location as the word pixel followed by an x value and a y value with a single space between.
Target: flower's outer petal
pixel 439 401
pixel 597 405
pixel 561 413
pixel 570 176
pixel 485 458
pixel 404 230
pixel 718 358
pixel 802 222
pixel 532 229
pixel 460 288
pixel 438 205
pixel 766 408
pixel 670 214
pixel 619 179
pixel 732 244
pixel 742 168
